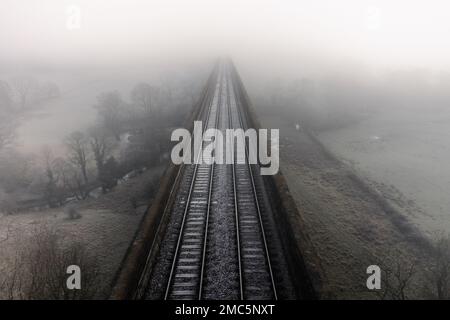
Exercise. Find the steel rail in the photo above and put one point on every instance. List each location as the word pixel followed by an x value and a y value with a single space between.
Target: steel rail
pixel 238 104
pixel 188 200
pixel 236 206
pixel 200 290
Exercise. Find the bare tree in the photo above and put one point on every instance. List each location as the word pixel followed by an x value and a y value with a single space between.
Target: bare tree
pixel 144 96
pixel 50 188
pixel 397 278
pixel 439 272
pixel 398 281
pixel 24 88
pixel 70 180
pixel 77 145
pixel 110 110
pixel 101 147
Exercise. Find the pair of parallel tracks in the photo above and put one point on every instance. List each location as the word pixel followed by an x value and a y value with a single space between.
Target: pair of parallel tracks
pixel 188 269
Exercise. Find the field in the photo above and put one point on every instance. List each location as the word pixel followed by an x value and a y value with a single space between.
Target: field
pixel 349 224
pixel 106 227
pixel 405 154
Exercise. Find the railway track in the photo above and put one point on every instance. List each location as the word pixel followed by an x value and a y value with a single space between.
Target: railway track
pixel 186 274
pixel 221 240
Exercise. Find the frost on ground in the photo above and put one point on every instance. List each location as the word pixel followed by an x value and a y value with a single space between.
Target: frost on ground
pixel 105 227
pixel 349 227
pixel 408 162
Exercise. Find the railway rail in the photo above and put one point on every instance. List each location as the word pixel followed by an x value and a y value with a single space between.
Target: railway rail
pixel 221 241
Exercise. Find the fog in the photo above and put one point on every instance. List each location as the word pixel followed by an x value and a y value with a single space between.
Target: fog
pixel 360 41
pixel 378 34
pixel 325 62
pixel 267 39
pixel 90 91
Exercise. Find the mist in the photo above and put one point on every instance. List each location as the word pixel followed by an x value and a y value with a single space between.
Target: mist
pixel 378 34
pixel 366 41
pixel 90 91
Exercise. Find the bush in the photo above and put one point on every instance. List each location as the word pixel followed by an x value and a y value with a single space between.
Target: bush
pixel 109 174
pixel 72 212
pixel 438 275
pixel 40 269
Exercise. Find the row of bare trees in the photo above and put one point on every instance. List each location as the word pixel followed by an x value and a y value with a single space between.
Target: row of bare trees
pixel 74 175
pixel 130 134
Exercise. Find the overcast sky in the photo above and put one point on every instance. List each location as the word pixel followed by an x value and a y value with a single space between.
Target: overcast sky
pixel 382 33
